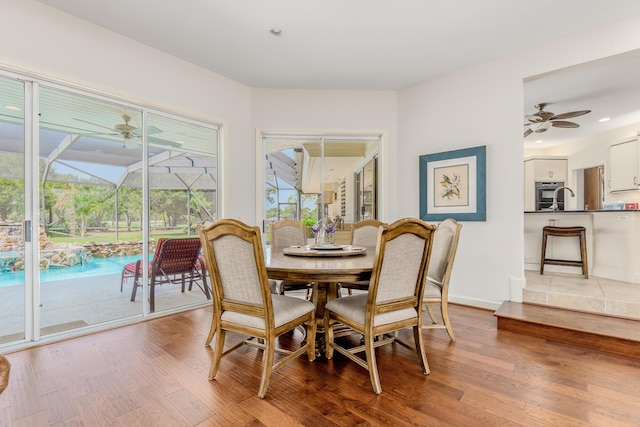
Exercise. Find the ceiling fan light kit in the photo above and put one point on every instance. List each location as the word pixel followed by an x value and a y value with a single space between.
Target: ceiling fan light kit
pixel 542 120
pixel 130 144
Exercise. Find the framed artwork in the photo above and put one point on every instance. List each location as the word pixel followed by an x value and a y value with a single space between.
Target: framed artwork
pixel 453 185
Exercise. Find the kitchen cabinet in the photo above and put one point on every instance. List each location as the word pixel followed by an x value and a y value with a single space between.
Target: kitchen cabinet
pixel 623 165
pixel 547 169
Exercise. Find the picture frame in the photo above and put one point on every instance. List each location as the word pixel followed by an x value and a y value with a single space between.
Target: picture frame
pixel 453 185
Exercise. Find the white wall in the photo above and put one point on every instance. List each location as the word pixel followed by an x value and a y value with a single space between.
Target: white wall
pixel 50 43
pixel 484 106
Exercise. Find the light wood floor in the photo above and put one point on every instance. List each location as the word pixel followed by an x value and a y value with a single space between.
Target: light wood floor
pixel 155 374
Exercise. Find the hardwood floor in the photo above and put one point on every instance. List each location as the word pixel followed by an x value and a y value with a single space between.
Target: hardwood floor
pixel 155 374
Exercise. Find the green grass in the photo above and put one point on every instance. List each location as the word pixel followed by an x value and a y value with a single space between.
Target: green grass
pixel 122 236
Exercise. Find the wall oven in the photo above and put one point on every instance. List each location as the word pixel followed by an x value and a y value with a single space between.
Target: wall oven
pixel 544 195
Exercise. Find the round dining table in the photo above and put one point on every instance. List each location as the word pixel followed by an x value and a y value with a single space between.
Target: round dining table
pixel 324 268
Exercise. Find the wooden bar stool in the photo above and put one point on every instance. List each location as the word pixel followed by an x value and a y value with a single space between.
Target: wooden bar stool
pixel 580 233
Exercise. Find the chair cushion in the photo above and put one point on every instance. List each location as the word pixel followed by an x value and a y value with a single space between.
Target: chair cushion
pixel 354 307
pixel 131 268
pixel 285 309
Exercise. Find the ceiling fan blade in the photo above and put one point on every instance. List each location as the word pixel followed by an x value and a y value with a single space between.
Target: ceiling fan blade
pixel 94 124
pixel 563 124
pixel 527 132
pixel 163 142
pixel 151 130
pixel 533 118
pixel 570 115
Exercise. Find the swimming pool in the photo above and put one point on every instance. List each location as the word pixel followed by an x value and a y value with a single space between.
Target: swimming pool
pixel 94 267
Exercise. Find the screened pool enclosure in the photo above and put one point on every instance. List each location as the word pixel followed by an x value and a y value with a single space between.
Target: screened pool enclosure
pixel 80 171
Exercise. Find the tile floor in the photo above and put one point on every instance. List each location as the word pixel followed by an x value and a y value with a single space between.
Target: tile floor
pixel 573 291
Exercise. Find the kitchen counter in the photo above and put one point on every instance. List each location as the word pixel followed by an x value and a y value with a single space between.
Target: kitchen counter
pixel 613 242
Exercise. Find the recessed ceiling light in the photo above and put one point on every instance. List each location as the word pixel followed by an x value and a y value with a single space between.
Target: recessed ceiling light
pixel 604 119
pixel 540 141
pixel 275 32
pixel 12 108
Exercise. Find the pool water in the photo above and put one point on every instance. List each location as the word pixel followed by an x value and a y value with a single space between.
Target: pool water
pixel 94 267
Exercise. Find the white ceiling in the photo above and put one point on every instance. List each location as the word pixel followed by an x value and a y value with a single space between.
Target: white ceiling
pixel 376 44
pixel 609 88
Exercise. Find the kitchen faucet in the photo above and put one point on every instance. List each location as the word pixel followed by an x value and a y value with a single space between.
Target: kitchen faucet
pixel 554 205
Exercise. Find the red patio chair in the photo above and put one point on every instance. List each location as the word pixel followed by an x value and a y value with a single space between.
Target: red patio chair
pixel 174 261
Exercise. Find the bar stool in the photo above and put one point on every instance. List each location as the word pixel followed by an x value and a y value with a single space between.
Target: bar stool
pixel 580 233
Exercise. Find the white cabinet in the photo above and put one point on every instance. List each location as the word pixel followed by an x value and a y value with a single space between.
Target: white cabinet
pixel 547 169
pixel 623 165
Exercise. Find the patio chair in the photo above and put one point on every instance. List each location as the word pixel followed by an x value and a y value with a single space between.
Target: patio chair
pixel 174 261
pixel 393 301
pixel 436 289
pixel 243 302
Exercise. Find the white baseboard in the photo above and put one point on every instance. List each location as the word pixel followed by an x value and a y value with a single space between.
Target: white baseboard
pixel 474 302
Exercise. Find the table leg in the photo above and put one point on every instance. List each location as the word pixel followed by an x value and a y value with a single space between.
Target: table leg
pixel 322 293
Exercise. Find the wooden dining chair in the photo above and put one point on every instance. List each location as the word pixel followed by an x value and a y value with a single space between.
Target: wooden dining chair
pixel 243 302
pixel 284 233
pixel 393 301
pixel 364 233
pixel 5 369
pixel 436 290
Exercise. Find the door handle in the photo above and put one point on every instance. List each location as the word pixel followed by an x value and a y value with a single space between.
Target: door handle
pixel 26 231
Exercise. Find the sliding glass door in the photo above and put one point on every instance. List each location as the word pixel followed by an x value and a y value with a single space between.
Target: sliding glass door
pixel 12 211
pixel 88 188
pixel 310 177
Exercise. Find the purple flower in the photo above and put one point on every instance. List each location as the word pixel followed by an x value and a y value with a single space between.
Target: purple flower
pixel 315 228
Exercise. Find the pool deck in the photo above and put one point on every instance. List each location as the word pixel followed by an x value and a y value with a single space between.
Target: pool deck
pixel 71 303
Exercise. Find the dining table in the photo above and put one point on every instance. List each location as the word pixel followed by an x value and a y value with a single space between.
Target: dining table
pixel 325 267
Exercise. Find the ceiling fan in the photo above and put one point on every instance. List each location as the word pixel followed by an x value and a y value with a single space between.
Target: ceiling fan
pixel 542 120
pixel 126 131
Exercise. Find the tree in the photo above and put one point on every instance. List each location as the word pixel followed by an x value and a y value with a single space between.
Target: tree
pixel 66 204
pixel 129 204
pixel 11 200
